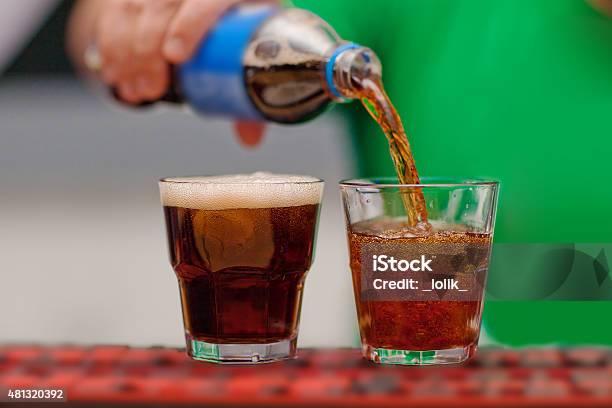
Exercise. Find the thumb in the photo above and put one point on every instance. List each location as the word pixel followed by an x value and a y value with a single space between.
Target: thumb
pixel 250 133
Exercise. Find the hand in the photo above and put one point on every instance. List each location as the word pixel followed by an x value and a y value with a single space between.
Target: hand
pixel 605 6
pixel 138 40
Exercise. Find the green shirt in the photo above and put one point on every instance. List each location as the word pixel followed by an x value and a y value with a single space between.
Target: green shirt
pixel 515 90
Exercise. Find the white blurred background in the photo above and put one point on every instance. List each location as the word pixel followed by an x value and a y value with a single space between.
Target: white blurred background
pixel 82 243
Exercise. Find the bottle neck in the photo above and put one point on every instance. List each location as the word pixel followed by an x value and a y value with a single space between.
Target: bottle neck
pixel 347 68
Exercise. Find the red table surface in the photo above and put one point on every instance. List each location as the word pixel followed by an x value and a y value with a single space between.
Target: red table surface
pixel 117 375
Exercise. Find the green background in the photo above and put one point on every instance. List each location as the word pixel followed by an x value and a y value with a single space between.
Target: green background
pixel 516 90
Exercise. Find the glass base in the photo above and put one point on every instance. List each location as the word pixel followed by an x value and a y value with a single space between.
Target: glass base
pixel 241 353
pixel 418 358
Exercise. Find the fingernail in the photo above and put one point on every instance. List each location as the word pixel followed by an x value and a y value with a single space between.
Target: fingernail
pixel 143 84
pixel 128 90
pixel 174 48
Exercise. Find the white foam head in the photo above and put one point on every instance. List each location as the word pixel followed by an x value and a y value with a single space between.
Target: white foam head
pixel 257 190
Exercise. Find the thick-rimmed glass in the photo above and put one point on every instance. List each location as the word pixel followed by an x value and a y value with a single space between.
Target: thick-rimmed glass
pixel 241 251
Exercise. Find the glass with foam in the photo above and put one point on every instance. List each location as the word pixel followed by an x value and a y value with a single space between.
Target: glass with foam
pixel 241 246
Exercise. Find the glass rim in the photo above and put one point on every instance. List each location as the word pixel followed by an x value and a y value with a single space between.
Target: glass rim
pixel 175 180
pixel 428 182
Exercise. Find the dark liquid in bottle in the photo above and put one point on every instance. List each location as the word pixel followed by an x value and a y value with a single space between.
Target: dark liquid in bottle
pixel 241 271
pixel 287 93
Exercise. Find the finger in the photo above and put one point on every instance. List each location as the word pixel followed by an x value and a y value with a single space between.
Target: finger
pixel 153 79
pixel 151 72
pixel 128 93
pixel 190 24
pixel 116 31
pixel 250 133
pixel 154 22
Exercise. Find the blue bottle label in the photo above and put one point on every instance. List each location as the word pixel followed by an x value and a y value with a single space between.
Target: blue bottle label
pixel 212 81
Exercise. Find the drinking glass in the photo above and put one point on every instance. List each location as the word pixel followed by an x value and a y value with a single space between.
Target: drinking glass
pixel 241 247
pixel 419 289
